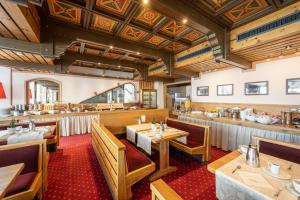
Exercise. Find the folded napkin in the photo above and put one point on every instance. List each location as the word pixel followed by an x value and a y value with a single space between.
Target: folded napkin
pixel 3 133
pixel 182 139
pixel 255 180
pixel 144 141
pixel 130 134
pixel 25 137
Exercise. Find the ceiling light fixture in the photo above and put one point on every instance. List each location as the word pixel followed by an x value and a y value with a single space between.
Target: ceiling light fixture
pixel 297 53
pixel 145 1
pixel 184 21
pixel 268 59
pixel 138 53
pixel 99 63
pixel 119 66
pixel 111 46
pixel 281 56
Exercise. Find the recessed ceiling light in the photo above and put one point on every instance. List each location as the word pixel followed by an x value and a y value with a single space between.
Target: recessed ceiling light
pixel 280 56
pixel 297 53
pixel 111 46
pixel 184 21
pixel 268 59
pixel 119 66
pixel 138 53
pixel 99 63
pixel 145 1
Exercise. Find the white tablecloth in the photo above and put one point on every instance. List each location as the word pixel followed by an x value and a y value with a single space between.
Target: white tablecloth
pixel 260 186
pixel 229 137
pixel 73 125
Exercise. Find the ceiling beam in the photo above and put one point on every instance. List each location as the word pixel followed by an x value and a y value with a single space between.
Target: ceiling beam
pixel 185 73
pixel 25 2
pixel 72 57
pixel 34 66
pixel 87 14
pixel 228 6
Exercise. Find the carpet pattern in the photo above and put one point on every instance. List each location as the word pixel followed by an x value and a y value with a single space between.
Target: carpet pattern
pixel 74 173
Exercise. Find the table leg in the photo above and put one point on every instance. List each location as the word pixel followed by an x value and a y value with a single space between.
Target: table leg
pixel 164 167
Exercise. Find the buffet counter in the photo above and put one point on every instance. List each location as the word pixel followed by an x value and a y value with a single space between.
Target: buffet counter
pixel 228 134
pixel 81 122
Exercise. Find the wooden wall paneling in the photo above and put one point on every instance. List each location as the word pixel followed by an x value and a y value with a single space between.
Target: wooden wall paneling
pixel 24 19
pixel 31 57
pixel 21 55
pixel 13 55
pixel 195 59
pixel 40 59
pixel 4 32
pixel 290 29
pixel 10 25
pixel 49 61
pixel 146 85
pixel 5 55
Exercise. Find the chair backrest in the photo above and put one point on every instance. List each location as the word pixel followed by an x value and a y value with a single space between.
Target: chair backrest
pixel 279 149
pixel 29 153
pixel 197 132
pixel 111 155
pixel 162 191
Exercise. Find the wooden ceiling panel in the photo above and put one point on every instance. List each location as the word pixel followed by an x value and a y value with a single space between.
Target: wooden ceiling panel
pixel 118 7
pixel 156 40
pixel 173 28
pixel 148 17
pixel 103 23
pixel 192 36
pixel 64 11
pixel 206 66
pixel 247 8
pixel 175 46
pixel 132 33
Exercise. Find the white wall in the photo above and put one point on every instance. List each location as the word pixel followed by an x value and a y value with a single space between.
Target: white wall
pixel 276 72
pixel 74 88
pixel 159 86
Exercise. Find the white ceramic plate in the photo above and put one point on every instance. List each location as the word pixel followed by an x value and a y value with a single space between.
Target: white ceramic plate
pixel 282 174
pixel 292 190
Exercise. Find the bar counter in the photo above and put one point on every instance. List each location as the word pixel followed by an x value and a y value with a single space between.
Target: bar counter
pixel 228 133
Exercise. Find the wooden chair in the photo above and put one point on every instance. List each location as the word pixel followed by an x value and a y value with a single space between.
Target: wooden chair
pixel 122 164
pixel 32 180
pixel 279 149
pixel 162 191
pixel 198 141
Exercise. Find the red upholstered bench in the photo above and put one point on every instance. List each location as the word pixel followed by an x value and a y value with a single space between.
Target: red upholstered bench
pixel 135 159
pixel 33 178
pixel 122 164
pixel 198 140
pixel 52 140
pixel 283 150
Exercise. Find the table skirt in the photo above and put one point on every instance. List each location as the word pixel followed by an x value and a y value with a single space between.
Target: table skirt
pixel 73 125
pixel 229 136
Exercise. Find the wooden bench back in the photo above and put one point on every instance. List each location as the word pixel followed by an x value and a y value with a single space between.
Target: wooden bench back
pixel 283 150
pixel 111 155
pixel 162 191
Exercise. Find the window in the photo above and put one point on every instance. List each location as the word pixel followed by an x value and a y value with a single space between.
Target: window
pixel 122 94
pixel 42 91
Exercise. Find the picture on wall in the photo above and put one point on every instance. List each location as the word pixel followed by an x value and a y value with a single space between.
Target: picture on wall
pixel 203 91
pixel 293 86
pixel 257 88
pixel 225 90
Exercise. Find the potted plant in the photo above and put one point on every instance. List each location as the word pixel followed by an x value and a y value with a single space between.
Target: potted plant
pixel 153 125
pixel 12 126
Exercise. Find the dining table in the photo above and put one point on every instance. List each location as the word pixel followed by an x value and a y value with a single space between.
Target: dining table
pixel 24 134
pixel 236 180
pixel 143 132
pixel 8 175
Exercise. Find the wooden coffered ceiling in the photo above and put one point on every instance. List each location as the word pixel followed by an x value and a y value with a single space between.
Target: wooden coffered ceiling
pixel 127 19
pixel 129 36
pixel 234 13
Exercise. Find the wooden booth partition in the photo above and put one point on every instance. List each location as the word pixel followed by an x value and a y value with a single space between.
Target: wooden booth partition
pixel 117 121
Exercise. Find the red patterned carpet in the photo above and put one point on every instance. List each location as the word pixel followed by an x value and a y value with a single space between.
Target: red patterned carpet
pixel 74 173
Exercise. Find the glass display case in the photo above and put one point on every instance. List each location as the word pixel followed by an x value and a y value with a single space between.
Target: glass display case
pixel 149 98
